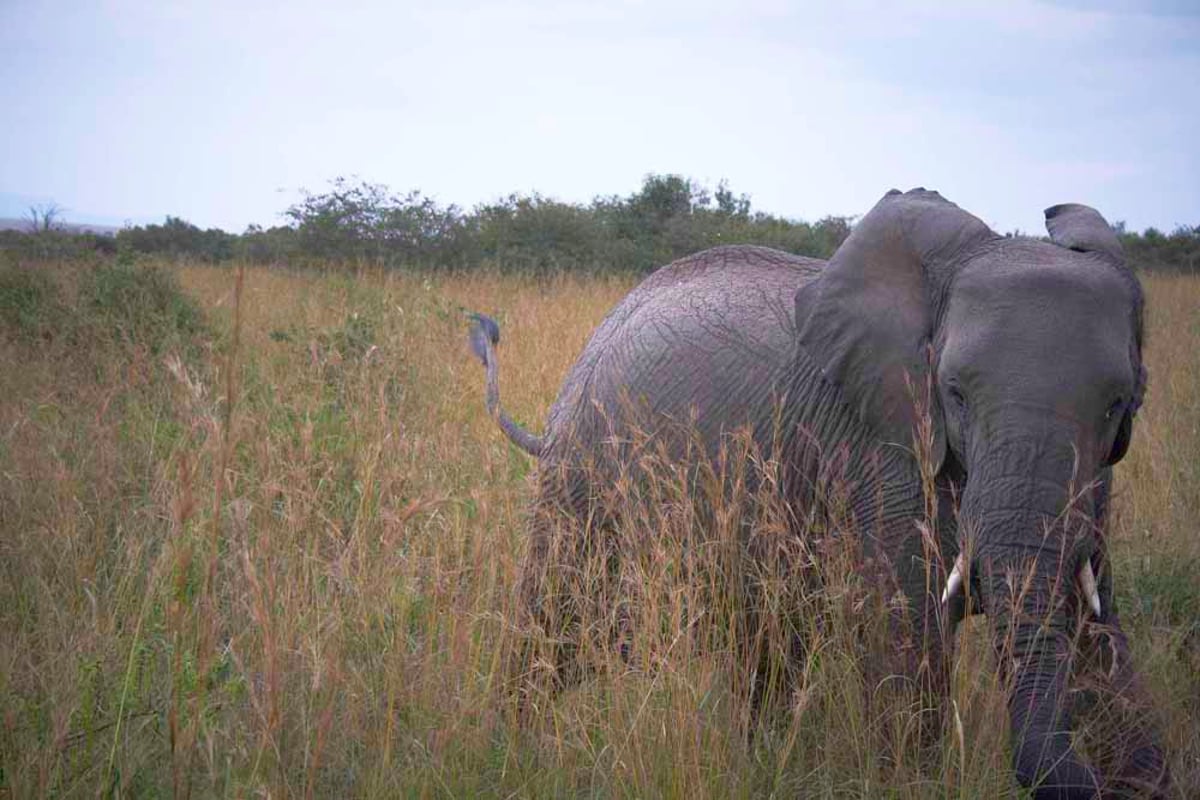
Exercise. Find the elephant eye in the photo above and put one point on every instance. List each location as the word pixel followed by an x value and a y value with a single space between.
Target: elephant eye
pixel 1115 408
pixel 956 397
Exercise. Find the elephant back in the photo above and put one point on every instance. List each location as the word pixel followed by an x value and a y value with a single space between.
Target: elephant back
pixel 705 338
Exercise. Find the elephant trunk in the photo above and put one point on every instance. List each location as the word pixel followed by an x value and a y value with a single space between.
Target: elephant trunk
pixel 1025 537
pixel 1036 661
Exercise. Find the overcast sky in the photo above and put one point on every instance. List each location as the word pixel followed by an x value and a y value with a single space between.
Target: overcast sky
pixel 219 111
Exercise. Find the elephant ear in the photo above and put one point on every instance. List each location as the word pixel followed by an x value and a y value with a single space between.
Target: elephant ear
pixel 1084 229
pixel 1081 228
pixel 867 321
pixel 1121 442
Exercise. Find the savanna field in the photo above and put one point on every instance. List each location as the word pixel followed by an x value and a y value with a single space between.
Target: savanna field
pixel 259 538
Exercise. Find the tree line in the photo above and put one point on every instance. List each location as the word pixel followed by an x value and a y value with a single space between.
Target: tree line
pixel 356 222
pixel 668 217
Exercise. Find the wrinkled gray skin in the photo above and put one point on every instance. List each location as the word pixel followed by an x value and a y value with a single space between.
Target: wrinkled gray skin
pixel 1033 353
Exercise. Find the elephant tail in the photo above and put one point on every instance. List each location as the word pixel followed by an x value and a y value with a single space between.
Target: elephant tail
pixel 485 335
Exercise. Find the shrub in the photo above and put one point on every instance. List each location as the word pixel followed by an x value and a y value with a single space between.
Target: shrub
pixel 144 305
pixel 178 238
pixel 30 305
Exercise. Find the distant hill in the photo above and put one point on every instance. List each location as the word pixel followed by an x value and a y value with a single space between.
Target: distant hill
pixel 15 224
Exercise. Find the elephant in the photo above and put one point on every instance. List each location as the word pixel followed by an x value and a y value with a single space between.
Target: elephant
pixel 1008 369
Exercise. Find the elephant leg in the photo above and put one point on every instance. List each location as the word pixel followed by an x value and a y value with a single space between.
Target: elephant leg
pixel 1123 739
pixel 524 675
pixel 766 673
pixel 1111 697
pixel 542 651
pixel 1113 703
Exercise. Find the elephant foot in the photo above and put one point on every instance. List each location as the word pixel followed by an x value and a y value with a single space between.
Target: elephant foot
pixel 1143 774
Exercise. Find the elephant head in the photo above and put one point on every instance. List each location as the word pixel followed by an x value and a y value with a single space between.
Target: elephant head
pixel 1026 355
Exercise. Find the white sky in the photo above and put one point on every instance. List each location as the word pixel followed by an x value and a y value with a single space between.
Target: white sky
pixel 219 111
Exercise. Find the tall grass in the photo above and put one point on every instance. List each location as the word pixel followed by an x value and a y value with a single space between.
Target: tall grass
pixel 277 556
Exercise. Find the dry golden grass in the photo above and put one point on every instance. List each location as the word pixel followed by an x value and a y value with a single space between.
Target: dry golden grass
pixel 307 591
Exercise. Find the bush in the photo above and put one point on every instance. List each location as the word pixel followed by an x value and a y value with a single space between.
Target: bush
pixel 178 238
pixel 366 222
pixel 535 234
pixel 55 245
pixel 268 245
pixel 143 305
pixel 113 302
pixel 1153 250
pixel 30 305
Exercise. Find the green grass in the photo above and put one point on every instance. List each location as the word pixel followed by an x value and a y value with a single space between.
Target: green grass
pixel 264 541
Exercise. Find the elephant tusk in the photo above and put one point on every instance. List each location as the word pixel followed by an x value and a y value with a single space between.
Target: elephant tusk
pixel 955 581
pixel 1087 582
